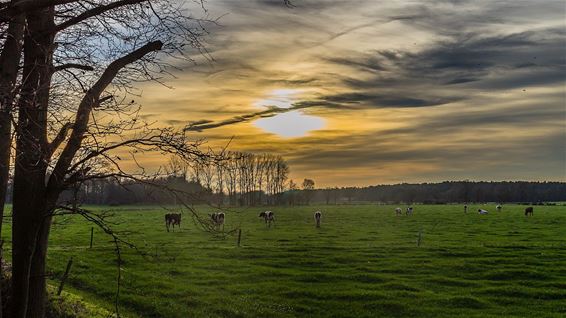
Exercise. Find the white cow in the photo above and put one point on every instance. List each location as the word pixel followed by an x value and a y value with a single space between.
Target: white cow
pixel 317 217
pixel 398 211
pixel 499 207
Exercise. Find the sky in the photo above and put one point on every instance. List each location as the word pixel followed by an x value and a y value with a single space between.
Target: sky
pixel 372 92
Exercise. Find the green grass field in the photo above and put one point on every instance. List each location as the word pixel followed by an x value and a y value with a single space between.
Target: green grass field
pixel 363 262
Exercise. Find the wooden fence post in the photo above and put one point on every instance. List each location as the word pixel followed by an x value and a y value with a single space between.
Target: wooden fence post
pixel 239 236
pixel 64 278
pixel 91 236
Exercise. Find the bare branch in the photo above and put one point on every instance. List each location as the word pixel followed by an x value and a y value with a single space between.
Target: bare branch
pixel 95 12
pixel 87 104
pixel 59 138
pixel 73 65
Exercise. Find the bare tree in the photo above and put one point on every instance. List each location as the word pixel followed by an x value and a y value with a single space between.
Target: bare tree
pixel 308 190
pixel 67 103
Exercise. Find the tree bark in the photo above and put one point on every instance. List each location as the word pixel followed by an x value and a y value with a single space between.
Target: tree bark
pixel 9 62
pixel 37 296
pixel 29 204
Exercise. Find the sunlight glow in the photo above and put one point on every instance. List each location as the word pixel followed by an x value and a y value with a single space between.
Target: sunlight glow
pixel 289 124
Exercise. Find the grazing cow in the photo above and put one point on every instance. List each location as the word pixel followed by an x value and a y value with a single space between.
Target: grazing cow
pixel 465 209
pixel 172 219
pixel 398 211
pixel 217 219
pixel 499 207
pixel 409 211
pixel 482 211
pixel 529 211
pixel 268 217
pixel 317 217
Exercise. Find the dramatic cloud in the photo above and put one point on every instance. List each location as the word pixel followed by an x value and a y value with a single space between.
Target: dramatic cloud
pixel 407 90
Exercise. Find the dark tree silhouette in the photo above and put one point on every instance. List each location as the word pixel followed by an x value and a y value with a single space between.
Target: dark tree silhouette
pixel 68 82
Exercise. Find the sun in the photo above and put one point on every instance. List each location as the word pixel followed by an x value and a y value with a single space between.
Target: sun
pixel 289 123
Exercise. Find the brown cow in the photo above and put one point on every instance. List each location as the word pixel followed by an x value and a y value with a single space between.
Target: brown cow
pixel 529 211
pixel 172 219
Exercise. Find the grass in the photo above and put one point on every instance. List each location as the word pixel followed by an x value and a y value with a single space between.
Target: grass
pixel 362 262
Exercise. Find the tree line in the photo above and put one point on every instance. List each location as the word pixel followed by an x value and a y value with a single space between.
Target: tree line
pixel 448 192
pixel 233 178
pixel 237 184
pixel 241 178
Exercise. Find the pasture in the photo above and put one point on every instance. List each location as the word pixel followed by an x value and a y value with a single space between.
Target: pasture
pixel 362 262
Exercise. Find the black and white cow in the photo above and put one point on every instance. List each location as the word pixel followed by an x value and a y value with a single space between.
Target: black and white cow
pixel 217 219
pixel 268 217
pixel 482 211
pixel 317 217
pixel 409 211
pixel 498 208
pixel 465 209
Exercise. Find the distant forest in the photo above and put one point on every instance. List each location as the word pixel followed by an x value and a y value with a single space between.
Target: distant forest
pixel 246 179
pixel 125 192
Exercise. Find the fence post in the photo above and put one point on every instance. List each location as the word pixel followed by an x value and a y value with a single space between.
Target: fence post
pixel 91 236
pixel 239 236
pixel 67 270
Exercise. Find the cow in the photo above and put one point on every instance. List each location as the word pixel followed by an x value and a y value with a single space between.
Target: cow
pixel 398 211
pixel 317 217
pixel 409 211
pixel 465 209
pixel 529 211
pixel 172 219
pixel 482 211
pixel 499 207
pixel 268 217
pixel 217 219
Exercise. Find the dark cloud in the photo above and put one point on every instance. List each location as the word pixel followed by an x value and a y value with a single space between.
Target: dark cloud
pixel 271 111
pixel 475 62
pixel 207 124
pixel 370 63
pixel 387 100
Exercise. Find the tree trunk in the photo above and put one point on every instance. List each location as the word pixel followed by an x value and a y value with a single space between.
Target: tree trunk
pixel 24 233
pixel 9 61
pixel 37 285
pixel 29 204
pixel 37 292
